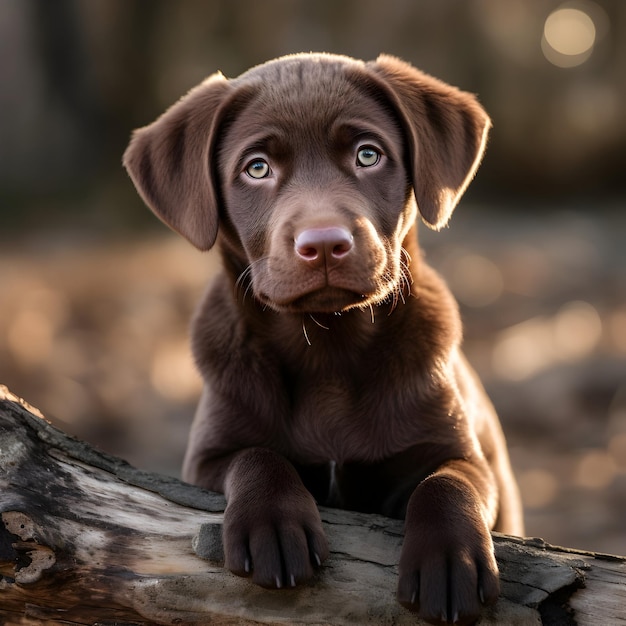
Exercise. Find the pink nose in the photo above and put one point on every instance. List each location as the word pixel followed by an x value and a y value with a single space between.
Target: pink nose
pixel 320 245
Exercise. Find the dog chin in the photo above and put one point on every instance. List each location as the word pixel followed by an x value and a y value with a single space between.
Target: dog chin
pixel 327 300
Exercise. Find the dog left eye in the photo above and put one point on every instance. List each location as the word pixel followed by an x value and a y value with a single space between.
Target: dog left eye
pixel 258 168
pixel 367 156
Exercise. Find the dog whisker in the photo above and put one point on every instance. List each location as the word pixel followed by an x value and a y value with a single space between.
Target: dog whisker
pixel 245 293
pixel 318 323
pixel 405 271
pixel 405 287
pixel 406 255
pixel 401 294
pixel 245 278
pixel 395 291
pixel 402 288
pixel 306 335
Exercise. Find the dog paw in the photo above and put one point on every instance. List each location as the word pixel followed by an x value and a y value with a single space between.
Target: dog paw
pixel 448 572
pixel 449 588
pixel 278 543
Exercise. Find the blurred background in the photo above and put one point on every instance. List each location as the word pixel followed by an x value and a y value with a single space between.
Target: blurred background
pixel 95 294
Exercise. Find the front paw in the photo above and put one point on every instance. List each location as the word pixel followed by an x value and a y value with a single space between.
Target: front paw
pixel 447 587
pixel 448 571
pixel 278 542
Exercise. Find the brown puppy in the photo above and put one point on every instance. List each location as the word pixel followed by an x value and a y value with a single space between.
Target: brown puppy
pixel 329 349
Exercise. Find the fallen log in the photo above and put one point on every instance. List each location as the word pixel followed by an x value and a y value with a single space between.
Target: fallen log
pixel 88 539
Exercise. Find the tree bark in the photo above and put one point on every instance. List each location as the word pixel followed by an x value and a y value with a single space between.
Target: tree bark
pixel 88 539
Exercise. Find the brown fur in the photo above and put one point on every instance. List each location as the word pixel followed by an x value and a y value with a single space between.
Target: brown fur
pixel 330 351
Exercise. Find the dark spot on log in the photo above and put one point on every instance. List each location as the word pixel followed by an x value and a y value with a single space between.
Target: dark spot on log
pixel 555 610
pixel 7 551
pixel 23 560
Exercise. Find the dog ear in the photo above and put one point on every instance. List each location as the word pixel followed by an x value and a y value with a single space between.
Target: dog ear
pixel 170 162
pixel 447 135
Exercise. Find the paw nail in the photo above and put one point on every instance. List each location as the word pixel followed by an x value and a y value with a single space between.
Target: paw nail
pixel 455 619
pixel 278 583
pixel 293 580
pixel 246 566
pixel 317 558
pixel 481 595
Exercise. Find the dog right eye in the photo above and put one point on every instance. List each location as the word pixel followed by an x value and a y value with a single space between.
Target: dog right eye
pixel 367 156
pixel 258 169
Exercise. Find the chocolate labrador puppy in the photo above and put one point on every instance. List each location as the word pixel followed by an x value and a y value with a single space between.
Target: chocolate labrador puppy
pixel 330 350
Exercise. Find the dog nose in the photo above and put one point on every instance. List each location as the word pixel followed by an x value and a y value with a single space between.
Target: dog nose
pixel 319 245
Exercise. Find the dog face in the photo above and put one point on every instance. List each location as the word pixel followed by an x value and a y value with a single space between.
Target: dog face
pixel 316 192
pixel 302 164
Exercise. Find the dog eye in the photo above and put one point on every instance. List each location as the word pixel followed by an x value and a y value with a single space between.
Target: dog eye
pixel 258 169
pixel 367 156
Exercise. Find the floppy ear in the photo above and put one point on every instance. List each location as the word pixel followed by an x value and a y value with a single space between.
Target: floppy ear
pixel 447 135
pixel 170 162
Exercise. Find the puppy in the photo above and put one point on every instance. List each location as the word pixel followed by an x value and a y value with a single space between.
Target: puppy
pixel 330 350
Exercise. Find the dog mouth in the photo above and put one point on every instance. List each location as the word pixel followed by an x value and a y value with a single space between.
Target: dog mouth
pixel 326 300
pixel 330 299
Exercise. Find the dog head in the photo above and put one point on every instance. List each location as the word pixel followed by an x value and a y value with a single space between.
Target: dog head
pixel 312 167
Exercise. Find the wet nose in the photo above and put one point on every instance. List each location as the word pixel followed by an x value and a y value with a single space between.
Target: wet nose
pixel 323 245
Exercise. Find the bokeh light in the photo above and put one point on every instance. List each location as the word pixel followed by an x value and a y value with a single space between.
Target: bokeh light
pixel 617 327
pixel 577 329
pixel 534 345
pixel 538 487
pixel 570 33
pixel 173 373
pixel 617 450
pixel 475 280
pixel 596 469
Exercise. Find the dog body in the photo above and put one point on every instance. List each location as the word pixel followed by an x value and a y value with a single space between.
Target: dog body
pixel 329 349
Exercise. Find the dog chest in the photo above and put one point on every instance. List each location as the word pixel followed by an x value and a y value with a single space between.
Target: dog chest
pixel 336 420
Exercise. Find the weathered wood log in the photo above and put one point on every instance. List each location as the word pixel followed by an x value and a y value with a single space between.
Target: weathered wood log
pixel 88 539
